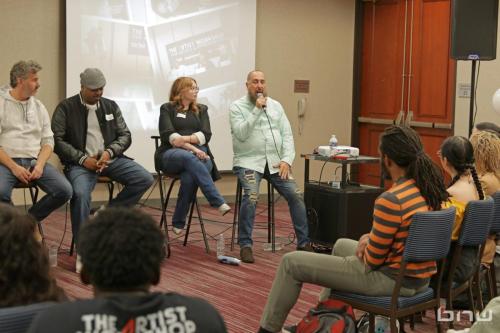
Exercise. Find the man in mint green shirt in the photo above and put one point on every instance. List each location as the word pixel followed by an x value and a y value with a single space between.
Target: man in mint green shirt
pixel 263 148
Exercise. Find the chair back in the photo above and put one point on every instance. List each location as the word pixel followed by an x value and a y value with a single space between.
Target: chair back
pixel 18 319
pixel 495 222
pixel 156 138
pixel 429 235
pixel 476 223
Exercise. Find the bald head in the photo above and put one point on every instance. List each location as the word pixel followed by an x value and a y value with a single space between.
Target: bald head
pixel 252 73
pixel 256 84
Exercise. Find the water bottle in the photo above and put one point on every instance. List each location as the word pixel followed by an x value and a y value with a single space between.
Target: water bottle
pixel 383 325
pixel 333 142
pixel 221 245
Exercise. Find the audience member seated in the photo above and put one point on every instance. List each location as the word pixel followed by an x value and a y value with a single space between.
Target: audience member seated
pixel 488 127
pixel 457 159
pixel 489 319
pixel 121 251
pixel 26 142
pixel 91 137
pixel 487 155
pixel 368 266
pixel 24 267
pixel 185 132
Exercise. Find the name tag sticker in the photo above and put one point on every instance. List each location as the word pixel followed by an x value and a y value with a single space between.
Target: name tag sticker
pixel 181 115
pixel 109 117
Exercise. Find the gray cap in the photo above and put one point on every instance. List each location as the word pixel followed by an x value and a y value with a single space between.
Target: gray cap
pixel 92 78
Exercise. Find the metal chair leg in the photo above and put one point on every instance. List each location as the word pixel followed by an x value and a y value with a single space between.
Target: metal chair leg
pixel 165 203
pixel 273 225
pixel 493 277
pixel 111 189
pixel 471 300
pixel 438 323
pixel 188 227
pixel 237 204
pixel 271 237
pixel 202 225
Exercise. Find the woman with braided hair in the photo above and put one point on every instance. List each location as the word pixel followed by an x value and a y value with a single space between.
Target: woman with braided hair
pixel 487 154
pixel 457 159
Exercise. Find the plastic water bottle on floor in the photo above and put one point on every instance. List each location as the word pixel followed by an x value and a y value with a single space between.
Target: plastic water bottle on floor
pixel 383 325
pixel 221 245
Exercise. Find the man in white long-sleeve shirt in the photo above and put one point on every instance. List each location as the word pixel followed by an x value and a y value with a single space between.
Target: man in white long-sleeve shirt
pixel 26 142
pixel 263 148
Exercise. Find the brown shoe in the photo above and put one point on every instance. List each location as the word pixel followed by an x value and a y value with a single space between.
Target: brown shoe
pixel 308 247
pixel 246 255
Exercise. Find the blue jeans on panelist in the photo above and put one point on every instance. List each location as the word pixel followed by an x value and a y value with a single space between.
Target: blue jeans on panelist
pixel 194 173
pixel 250 181
pixel 135 179
pixel 52 182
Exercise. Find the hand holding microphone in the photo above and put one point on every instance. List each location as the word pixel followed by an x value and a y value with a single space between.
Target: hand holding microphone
pixel 261 101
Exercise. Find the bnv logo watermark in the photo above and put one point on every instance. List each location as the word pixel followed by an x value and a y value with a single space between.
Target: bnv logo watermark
pixel 450 315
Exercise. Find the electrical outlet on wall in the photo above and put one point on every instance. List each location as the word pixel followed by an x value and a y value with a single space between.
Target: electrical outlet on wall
pixel 464 90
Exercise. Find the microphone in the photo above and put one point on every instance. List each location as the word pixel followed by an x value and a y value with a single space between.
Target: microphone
pixel 32 165
pixel 259 95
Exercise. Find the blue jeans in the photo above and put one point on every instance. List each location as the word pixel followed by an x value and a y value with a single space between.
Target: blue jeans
pixel 194 173
pixel 135 179
pixel 52 182
pixel 250 181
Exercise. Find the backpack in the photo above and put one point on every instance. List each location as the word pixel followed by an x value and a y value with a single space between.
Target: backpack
pixel 329 316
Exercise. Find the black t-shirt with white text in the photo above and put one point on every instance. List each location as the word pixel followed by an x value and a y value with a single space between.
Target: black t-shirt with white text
pixel 152 313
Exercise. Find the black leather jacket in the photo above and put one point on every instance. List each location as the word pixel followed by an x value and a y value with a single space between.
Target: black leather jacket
pixel 69 124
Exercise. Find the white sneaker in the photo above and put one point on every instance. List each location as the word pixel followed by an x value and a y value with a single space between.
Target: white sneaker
pixel 79 264
pixel 177 231
pixel 224 209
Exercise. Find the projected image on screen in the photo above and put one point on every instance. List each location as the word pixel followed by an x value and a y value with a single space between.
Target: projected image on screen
pixel 142 46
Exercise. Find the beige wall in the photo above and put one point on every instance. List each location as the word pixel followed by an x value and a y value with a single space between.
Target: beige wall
pixel 296 39
pixel 489 82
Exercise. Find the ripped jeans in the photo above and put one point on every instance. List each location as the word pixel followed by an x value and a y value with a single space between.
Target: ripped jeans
pixel 250 181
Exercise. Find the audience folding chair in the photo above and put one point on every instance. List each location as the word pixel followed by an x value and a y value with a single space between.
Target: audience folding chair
pixel 473 233
pixel 33 189
pixel 488 271
pixel 164 204
pixel 271 232
pixel 110 184
pixel 18 319
pixel 429 239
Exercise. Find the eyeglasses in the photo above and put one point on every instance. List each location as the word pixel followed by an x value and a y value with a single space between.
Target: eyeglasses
pixel 195 88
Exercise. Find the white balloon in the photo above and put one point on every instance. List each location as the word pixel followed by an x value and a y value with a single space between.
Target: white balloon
pixel 496 101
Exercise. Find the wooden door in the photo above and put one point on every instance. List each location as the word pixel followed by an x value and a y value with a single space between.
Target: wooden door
pixel 405 70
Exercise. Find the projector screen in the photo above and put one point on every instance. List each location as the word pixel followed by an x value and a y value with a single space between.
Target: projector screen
pixel 142 46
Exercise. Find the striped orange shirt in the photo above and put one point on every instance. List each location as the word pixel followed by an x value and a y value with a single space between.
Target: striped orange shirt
pixel 391 220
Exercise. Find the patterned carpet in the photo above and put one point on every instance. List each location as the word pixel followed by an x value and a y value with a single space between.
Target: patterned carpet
pixel 238 292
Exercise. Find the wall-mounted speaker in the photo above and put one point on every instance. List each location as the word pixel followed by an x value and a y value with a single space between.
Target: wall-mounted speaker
pixel 474 29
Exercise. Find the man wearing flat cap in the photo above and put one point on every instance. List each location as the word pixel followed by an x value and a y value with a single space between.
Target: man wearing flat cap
pixel 90 138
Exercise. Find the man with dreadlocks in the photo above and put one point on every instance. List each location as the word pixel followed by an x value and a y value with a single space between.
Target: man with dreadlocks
pixel 368 266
